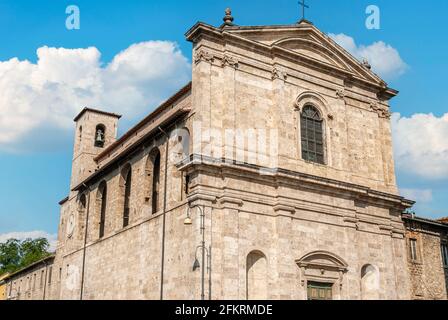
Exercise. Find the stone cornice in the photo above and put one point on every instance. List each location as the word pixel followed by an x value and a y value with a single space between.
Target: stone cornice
pixel 279 176
pixel 285 208
pixel 201 197
pixel 231 200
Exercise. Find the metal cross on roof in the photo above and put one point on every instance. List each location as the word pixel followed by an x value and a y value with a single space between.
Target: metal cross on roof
pixel 304 6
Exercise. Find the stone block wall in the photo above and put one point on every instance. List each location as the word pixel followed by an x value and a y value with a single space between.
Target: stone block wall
pixel 428 274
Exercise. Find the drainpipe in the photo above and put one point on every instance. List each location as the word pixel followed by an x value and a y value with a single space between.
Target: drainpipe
pixel 85 243
pixel 164 212
pixel 45 280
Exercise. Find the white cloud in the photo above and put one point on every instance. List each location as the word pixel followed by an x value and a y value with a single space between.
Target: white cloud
pixel 421 144
pixel 384 59
pixel 419 195
pixel 52 238
pixel 38 101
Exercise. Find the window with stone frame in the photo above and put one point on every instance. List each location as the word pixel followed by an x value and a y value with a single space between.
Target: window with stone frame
pixel 102 205
pixel 413 250
pixel 445 254
pixel 312 135
pixel 152 181
pixel 156 184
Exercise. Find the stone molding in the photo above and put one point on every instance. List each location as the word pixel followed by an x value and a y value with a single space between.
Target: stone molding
pixel 203 55
pixel 382 112
pixel 341 95
pixel 231 200
pixel 278 73
pixel 283 176
pixel 229 61
pixel 285 208
pixel 201 197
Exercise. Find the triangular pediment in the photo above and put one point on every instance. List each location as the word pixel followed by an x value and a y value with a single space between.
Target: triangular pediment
pixel 307 42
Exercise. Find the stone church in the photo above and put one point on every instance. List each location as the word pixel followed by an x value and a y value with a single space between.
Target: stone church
pixel 269 176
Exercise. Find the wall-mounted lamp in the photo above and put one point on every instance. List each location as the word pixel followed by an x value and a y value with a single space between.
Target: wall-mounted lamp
pixel 196 264
pixel 188 221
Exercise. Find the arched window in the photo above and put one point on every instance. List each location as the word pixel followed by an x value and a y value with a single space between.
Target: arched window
pixel 153 179
pixel 370 282
pixel 100 136
pixel 156 184
pixel 101 205
pixel 256 275
pixel 127 178
pixel 82 203
pixel 311 125
pixel 183 143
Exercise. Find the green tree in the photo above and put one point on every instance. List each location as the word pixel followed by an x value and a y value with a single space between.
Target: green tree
pixel 16 254
pixel 9 256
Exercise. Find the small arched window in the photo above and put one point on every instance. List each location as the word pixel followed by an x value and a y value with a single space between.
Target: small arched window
pixel 312 137
pixel 82 203
pixel 101 205
pixel 153 179
pixel 100 136
pixel 127 176
pixel 183 139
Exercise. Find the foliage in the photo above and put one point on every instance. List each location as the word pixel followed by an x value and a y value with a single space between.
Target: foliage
pixel 16 254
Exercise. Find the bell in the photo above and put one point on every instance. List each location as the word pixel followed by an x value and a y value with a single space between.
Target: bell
pixel 99 137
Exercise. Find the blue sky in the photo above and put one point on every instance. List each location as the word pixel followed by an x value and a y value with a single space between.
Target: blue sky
pixel 33 179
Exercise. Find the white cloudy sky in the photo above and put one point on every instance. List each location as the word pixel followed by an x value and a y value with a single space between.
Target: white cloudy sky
pixel 44 97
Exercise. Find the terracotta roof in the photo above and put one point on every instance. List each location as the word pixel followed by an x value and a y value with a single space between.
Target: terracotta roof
pixel 426 220
pixel 50 257
pixel 128 134
pixel 443 220
pixel 96 111
pixel 4 276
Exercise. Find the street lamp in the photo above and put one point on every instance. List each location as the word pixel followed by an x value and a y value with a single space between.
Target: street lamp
pixel 196 265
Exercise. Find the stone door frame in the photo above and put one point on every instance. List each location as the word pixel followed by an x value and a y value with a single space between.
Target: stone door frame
pixel 323 267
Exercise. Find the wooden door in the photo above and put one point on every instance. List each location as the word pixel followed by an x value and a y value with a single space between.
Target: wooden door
pixel 320 291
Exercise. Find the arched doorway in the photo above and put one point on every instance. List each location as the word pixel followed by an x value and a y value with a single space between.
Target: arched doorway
pixel 322 275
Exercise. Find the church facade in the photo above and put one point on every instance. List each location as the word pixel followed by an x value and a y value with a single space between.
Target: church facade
pixel 269 176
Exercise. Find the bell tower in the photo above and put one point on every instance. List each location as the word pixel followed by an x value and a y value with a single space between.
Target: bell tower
pixel 95 131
